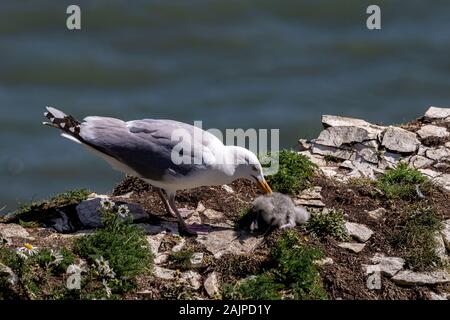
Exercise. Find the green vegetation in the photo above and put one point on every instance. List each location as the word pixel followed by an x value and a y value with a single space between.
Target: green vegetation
pixel 34 274
pixel 294 175
pixel 328 223
pixel 415 236
pixel 25 212
pixel 402 181
pixel 181 259
pixel 294 272
pixel 122 245
pixel 260 287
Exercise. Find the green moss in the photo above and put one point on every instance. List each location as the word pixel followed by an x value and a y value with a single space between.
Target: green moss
pixel 123 245
pixel 294 175
pixel 328 223
pixel 293 272
pixel 181 259
pixel 402 181
pixel 296 268
pixel 415 236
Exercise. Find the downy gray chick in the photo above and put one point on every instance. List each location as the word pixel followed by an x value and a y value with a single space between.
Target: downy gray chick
pixel 278 210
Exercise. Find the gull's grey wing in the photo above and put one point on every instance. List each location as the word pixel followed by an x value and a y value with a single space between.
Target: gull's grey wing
pixel 143 145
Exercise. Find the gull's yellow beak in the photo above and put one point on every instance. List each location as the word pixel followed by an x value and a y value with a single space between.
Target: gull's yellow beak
pixel 264 186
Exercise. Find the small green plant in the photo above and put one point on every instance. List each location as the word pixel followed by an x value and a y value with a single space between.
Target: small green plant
pixel 181 259
pixel 402 182
pixel 328 223
pixel 260 287
pixel 122 245
pixel 294 174
pixel 296 268
pixel 293 271
pixel 415 236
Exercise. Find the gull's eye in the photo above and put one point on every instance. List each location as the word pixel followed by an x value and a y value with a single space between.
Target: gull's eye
pixel 255 168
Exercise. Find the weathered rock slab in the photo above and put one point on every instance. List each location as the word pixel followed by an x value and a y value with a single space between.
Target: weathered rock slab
pixel 358 231
pixel 411 278
pixel 212 285
pixel 388 266
pixel 400 140
pixel 219 242
pixel 352 246
pixel 12 230
pixel 437 113
pixel 432 131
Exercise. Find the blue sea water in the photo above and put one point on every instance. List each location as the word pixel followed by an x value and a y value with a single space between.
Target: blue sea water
pixel 230 63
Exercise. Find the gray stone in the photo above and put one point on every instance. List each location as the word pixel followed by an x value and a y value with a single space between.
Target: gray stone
pixel 212 285
pixel 192 278
pixel 180 245
pixel 377 213
pixel 164 273
pixel 311 193
pixel 314 158
pixel 400 140
pixel 151 229
pixel 61 223
pixel 333 151
pixel 227 188
pixel 194 218
pixel 89 216
pixel 358 231
pixel 220 242
pixel 437 153
pixel 303 145
pixel 12 230
pixel 338 121
pixel 324 262
pixel 155 241
pixel 309 202
pixel 388 266
pixel 419 162
pixel 161 258
pixel 11 277
pixel 196 259
pixel 429 131
pixel 411 278
pixel 212 214
pixel 440 248
pixel 434 296
pixel 200 207
pixel 345 135
pixel 446 234
pixel 437 113
pixel 352 246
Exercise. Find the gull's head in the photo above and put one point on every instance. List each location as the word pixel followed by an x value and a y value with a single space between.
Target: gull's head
pixel 247 166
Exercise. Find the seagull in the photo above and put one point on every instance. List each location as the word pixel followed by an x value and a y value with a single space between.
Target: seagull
pixel 167 154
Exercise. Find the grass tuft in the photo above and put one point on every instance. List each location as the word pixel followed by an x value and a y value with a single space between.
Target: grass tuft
pixel 328 223
pixel 295 173
pixel 415 236
pixel 294 272
pixel 402 183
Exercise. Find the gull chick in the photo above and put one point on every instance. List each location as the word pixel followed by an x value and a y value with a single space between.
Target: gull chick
pixel 146 148
pixel 278 210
